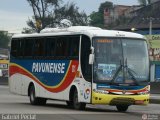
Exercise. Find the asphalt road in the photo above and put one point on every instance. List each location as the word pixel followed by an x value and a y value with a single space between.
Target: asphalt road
pixel 18 107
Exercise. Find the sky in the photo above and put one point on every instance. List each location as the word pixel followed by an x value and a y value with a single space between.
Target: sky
pixel 15 13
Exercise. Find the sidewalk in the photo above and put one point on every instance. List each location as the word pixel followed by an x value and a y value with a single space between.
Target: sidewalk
pixel 155 98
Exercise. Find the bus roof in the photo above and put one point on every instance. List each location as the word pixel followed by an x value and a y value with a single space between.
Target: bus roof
pixel 86 30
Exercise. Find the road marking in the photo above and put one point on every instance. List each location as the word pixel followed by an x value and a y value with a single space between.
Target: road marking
pixel 4 86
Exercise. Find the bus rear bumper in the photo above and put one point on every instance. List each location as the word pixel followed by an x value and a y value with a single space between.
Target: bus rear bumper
pixel 110 99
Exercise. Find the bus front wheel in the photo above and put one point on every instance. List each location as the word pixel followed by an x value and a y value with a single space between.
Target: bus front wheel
pixel 122 108
pixel 77 105
pixel 33 99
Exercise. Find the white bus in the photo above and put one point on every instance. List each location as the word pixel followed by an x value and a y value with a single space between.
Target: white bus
pixel 81 65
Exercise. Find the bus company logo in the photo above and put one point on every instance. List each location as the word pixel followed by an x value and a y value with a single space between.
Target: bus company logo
pixel 49 67
pixel 86 93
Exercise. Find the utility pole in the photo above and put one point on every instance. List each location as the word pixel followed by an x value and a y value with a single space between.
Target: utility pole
pixel 150 19
pixel 150 27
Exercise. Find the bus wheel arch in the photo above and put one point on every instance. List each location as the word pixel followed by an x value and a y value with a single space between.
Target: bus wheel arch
pixel 73 99
pixel 32 96
pixel 29 87
pixel 71 92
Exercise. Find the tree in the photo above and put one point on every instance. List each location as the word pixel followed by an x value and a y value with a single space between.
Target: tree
pixel 70 11
pixel 97 18
pixel 27 31
pixel 48 13
pixel 42 11
pixel 4 40
pixel 103 6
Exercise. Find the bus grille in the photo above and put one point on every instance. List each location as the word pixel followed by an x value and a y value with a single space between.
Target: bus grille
pixel 122 101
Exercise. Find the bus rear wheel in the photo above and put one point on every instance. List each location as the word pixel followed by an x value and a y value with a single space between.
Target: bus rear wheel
pixel 33 99
pixel 77 105
pixel 122 108
pixel 69 103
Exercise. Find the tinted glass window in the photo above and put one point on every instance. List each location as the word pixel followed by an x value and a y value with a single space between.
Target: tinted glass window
pixel 85 51
pixel 14 48
pixel 28 47
pixel 17 48
pixel 39 47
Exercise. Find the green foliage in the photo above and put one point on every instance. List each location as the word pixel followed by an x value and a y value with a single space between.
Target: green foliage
pixel 107 4
pixel 42 9
pixel 27 31
pixel 70 11
pixel 97 18
pixel 48 13
pixel 4 40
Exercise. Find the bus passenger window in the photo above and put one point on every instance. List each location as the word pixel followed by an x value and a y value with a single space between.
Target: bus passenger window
pixel 39 47
pixel 51 48
pixel 59 47
pixel 74 46
pixel 62 47
pixel 28 47
pixel 14 48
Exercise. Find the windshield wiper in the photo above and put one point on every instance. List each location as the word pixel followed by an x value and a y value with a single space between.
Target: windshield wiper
pixel 117 72
pixel 130 72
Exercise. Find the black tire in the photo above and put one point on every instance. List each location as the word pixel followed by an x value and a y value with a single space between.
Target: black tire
pixel 35 100
pixel 77 105
pixel 122 108
pixel 70 104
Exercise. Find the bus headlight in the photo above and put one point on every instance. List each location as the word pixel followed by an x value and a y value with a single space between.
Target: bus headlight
pixel 143 93
pixel 146 91
pixel 101 91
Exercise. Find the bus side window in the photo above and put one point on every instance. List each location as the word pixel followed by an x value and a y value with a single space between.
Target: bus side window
pixel 28 47
pixel 39 47
pixel 74 47
pixel 66 47
pixel 14 48
pixel 52 47
pixel 59 49
pixel 62 46
pixel 17 48
pixel 20 48
pixel 85 51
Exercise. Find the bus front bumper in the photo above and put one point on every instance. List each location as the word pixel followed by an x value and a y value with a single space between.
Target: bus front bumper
pixel 111 99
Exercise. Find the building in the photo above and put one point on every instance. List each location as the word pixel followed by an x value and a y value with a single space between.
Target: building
pixel 111 15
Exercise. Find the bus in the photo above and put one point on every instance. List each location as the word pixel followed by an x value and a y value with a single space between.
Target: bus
pixel 81 65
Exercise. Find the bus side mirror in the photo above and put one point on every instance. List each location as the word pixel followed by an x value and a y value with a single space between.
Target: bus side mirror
pixel 91 59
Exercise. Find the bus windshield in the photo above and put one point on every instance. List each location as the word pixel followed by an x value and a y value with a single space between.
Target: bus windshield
pixel 122 61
